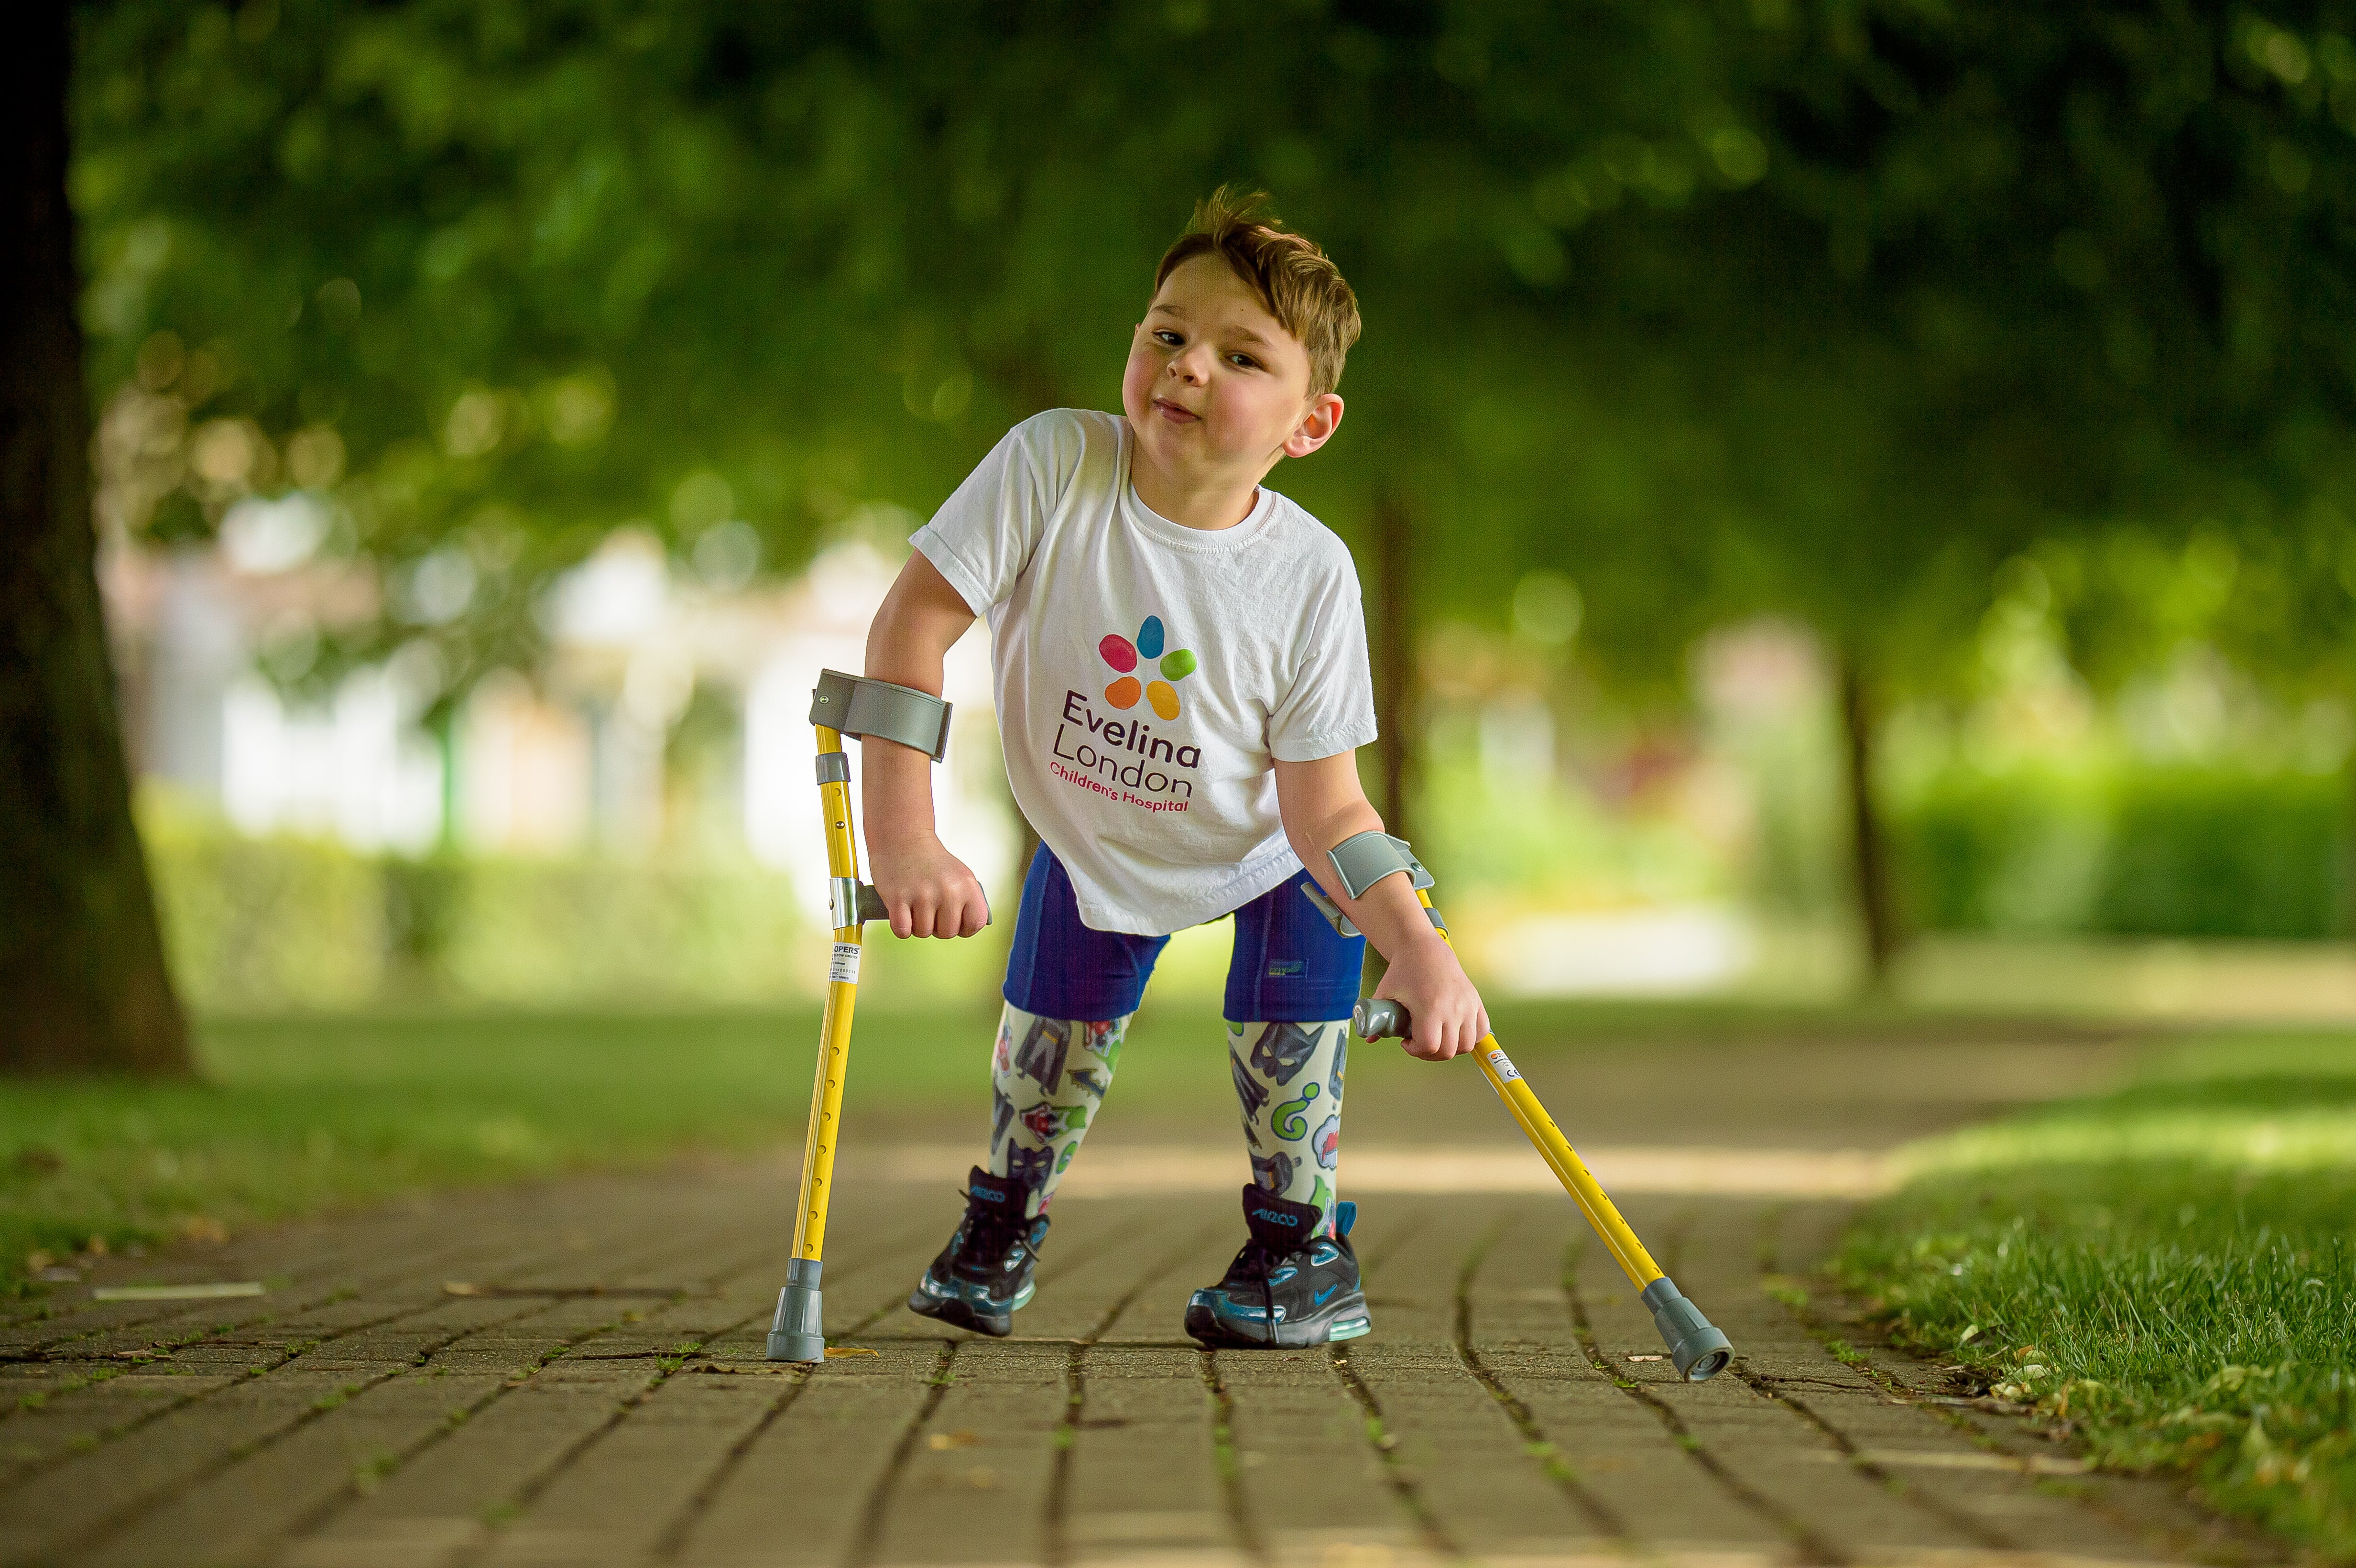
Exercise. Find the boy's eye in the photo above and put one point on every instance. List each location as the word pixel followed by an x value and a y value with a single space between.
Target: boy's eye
pixel 1169 339
pixel 1244 360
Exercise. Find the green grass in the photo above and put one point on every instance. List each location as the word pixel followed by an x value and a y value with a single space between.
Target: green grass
pixel 2170 1269
pixel 293 1117
pixel 298 1115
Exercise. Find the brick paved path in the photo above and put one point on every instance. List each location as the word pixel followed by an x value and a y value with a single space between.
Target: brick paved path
pixel 361 1416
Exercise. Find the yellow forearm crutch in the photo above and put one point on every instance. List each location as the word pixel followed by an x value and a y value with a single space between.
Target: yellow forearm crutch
pixel 842 705
pixel 1698 1349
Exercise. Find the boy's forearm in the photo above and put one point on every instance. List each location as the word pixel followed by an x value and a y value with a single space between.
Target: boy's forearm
pixel 895 783
pixel 1327 806
pixel 1324 804
pixel 1390 914
pixel 908 644
pixel 895 789
pixel 1393 919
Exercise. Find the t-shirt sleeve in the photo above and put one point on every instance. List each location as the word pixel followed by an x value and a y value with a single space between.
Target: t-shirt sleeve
pixel 1330 708
pixel 986 533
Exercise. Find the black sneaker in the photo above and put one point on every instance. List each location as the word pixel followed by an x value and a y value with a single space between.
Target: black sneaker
pixel 984 1274
pixel 1288 1287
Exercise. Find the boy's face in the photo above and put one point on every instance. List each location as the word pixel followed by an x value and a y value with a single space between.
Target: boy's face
pixel 1216 382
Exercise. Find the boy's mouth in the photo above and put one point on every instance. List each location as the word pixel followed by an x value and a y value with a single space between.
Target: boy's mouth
pixel 1173 413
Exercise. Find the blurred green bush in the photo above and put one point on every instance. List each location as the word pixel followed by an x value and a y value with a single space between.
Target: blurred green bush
pixel 287 921
pixel 290 923
pixel 2129 850
pixel 263 924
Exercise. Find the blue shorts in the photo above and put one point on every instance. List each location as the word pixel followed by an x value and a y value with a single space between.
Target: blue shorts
pixel 1290 966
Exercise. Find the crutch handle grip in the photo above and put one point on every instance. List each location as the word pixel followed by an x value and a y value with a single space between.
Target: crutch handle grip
pixel 1379 1019
pixel 850 901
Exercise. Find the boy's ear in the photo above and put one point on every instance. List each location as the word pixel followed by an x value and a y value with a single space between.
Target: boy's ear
pixel 1316 427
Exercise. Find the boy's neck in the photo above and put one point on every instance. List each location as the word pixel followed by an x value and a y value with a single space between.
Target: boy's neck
pixel 1208 502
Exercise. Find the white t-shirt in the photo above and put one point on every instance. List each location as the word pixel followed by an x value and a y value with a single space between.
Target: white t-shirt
pixel 1148 673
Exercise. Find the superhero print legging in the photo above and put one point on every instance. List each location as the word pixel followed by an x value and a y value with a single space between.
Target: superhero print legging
pixel 1071 992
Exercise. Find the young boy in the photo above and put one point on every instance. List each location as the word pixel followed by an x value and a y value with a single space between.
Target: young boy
pixel 1180 664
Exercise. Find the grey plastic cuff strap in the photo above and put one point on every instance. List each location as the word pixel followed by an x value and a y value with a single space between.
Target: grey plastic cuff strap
pixel 855 705
pixel 1364 858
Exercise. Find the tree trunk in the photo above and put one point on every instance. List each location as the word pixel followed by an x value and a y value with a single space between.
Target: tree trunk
pixel 82 982
pixel 1868 853
pixel 1394 658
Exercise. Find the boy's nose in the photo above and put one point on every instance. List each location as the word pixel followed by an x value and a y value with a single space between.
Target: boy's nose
pixel 1188 366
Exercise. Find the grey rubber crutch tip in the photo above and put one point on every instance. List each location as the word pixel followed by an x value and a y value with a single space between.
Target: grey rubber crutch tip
pixel 798 1331
pixel 1698 1348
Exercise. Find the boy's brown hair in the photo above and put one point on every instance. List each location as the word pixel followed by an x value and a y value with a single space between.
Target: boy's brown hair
pixel 1294 279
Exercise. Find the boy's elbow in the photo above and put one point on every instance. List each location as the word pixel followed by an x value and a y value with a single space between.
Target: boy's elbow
pixel 1311 840
pixel 885 633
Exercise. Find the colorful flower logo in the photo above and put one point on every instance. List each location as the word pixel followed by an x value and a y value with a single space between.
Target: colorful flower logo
pixel 1123 655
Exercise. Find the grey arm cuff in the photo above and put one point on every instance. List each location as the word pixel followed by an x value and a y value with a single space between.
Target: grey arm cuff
pixel 1329 909
pixel 855 705
pixel 1364 858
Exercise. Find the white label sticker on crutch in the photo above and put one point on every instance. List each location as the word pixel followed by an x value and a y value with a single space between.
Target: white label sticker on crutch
pixel 1503 1064
pixel 845 968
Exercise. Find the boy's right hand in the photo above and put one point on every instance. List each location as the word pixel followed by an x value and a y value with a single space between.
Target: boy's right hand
pixel 929 892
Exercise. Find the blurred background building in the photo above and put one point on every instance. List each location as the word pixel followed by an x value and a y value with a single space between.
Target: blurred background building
pixel 630 815
pixel 660 740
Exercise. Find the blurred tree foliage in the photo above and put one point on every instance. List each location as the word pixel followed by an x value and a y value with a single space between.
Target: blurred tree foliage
pixel 1718 307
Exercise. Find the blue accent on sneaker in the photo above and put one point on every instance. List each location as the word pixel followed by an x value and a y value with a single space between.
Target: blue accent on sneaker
pixel 1287 1288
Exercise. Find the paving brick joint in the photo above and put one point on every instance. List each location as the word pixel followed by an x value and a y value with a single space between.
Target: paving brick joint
pixel 1511 1406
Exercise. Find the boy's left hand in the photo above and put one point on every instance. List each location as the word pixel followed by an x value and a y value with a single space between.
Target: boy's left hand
pixel 1444 1011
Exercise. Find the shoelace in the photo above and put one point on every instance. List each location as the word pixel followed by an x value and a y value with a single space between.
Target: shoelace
pixel 1259 1261
pixel 987 1234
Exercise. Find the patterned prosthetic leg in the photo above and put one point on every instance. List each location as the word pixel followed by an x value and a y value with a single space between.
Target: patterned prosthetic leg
pixel 1289 1078
pixel 1047 1078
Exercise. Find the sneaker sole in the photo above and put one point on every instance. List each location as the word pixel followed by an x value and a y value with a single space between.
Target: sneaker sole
pixel 960 1313
pixel 1345 1320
